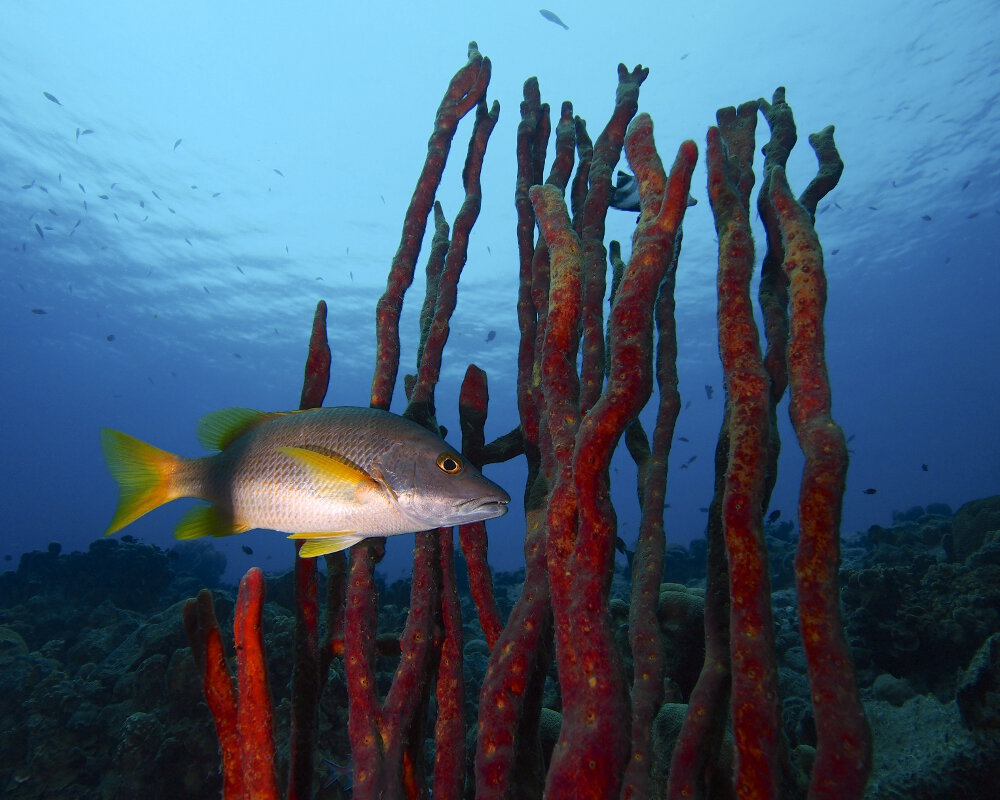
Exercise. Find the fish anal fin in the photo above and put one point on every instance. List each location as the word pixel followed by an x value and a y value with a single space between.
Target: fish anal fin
pixel 218 429
pixel 206 520
pixel 340 477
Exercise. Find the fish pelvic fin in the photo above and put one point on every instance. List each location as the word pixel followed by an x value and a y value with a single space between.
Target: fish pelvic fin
pixel 321 544
pixel 206 520
pixel 145 476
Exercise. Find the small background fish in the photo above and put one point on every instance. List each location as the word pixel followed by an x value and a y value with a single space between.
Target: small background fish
pixel 553 18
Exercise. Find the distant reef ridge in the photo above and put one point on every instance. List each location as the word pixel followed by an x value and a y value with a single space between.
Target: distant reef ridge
pixel 100 696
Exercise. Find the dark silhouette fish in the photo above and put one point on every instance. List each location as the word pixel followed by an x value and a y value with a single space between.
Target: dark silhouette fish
pixel 869 491
pixel 625 194
pixel 39 229
pixel 683 439
pixel 177 143
pixel 110 337
pixel 279 172
pixel 774 515
pixel 52 97
pixel 247 549
pixel 491 336
pixel 708 391
pixel 924 467
pixel 553 18
pixel 39 311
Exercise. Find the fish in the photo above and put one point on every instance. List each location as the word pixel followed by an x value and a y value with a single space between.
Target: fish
pixel 774 516
pixel 29 185
pixel 155 194
pixel 278 172
pixel 683 439
pixel 110 337
pixel 81 188
pixel 926 218
pixel 869 491
pixel 104 197
pixel 966 185
pixel 39 311
pixel 216 194
pixel 52 98
pixel 247 549
pixel 924 467
pixel 625 194
pixel 553 18
pixel 177 143
pixel 491 336
pixel 329 477
pixel 708 391
pixel 39 229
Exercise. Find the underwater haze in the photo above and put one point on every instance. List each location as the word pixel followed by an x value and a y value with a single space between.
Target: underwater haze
pixel 181 183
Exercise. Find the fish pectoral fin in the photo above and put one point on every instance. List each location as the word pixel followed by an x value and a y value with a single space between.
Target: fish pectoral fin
pixel 340 477
pixel 320 544
pixel 206 520
pixel 219 429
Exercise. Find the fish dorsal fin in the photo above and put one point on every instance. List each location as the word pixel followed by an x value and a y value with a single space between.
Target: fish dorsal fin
pixel 217 430
pixel 340 477
pixel 206 520
pixel 320 544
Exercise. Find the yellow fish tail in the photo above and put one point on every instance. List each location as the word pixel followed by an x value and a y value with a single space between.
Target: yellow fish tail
pixel 145 476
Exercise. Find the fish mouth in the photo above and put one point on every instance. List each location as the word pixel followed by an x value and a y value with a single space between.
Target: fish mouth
pixel 484 508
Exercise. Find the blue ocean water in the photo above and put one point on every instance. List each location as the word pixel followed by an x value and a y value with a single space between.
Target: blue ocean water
pixel 182 183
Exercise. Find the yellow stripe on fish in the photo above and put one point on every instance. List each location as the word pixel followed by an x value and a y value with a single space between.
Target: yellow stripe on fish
pixel 330 476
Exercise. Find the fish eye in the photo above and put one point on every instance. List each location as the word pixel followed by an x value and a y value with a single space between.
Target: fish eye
pixel 449 463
